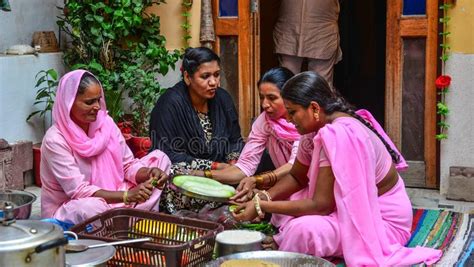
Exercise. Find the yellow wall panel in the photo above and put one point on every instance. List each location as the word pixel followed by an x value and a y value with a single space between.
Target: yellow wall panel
pixel 171 20
pixel 461 27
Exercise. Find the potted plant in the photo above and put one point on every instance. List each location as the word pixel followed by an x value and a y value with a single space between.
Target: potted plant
pixel 120 43
pixel 46 84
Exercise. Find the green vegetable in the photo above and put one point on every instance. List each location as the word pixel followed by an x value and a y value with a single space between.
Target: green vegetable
pixel 263 227
pixel 154 182
pixel 204 186
pixel 233 207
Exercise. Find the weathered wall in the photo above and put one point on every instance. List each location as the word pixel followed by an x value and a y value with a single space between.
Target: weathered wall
pixel 17 73
pixel 27 17
pixel 17 94
pixel 171 20
pixel 461 27
pixel 458 149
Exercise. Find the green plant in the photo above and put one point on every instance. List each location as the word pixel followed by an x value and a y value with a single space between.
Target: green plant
pixel 120 43
pixel 186 4
pixel 443 81
pixel 46 84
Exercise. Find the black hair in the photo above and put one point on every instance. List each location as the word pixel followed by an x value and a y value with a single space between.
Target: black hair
pixel 309 86
pixel 87 80
pixel 194 57
pixel 277 76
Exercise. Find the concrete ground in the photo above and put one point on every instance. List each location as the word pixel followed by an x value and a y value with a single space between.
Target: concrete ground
pixel 420 198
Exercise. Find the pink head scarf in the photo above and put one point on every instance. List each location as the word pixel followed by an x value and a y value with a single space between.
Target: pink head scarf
pixel 282 129
pixel 100 144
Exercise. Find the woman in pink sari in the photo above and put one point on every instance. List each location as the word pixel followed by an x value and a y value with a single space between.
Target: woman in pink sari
pixel 86 166
pixel 347 196
pixel 271 131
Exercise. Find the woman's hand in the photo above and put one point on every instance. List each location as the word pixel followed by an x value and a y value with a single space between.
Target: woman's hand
pixel 158 178
pixel 141 192
pixel 245 212
pixel 197 173
pixel 245 190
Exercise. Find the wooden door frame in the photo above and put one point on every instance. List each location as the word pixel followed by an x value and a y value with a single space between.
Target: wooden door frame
pixel 243 27
pixel 399 27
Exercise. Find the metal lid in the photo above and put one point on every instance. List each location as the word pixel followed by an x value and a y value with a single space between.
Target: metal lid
pixel 26 233
pixel 93 256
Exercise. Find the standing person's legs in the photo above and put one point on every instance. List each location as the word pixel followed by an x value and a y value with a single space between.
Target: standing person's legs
pixel 292 63
pixel 323 67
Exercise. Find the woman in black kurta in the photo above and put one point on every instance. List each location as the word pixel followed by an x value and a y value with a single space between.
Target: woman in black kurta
pixel 196 124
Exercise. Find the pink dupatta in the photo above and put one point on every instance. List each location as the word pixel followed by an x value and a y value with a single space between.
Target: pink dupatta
pixel 282 129
pixel 363 234
pixel 100 144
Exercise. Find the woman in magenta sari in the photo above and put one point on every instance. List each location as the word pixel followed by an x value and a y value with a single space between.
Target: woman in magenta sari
pixel 271 131
pixel 346 197
pixel 86 166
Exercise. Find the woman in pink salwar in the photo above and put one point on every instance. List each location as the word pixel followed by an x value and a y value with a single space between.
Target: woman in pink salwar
pixel 347 196
pixel 86 166
pixel 270 130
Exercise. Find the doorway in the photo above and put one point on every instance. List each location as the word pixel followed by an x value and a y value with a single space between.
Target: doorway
pixel 360 76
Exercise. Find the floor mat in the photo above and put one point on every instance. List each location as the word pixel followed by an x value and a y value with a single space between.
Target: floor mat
pixel 452 232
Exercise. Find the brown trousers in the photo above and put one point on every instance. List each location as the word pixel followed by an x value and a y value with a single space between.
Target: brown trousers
pixel 323 67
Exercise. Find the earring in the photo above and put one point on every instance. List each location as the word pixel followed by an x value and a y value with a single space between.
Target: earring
pixel 316 116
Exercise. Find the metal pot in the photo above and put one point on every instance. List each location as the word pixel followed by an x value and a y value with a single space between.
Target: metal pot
pixel 22 202
pixel 235 241
pixel 30 242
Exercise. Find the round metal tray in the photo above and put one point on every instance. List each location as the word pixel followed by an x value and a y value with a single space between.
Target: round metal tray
pixel 282 258
pixel 196 195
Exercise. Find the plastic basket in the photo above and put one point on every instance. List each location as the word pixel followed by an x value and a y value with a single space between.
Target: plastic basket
pixel 176 241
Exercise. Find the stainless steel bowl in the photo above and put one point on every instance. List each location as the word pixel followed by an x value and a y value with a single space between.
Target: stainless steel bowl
pixel 282 258
pixel 226 245
pixel 22 202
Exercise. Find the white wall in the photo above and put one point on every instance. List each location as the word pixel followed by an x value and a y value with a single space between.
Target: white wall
pixel 458 149
pixel 17 73
pixel 17 94
pixel 27 17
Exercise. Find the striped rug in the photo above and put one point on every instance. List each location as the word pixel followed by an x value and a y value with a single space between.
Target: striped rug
pixel 452 232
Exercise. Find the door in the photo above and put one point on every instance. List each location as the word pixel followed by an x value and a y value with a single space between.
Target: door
pixel 411 66
pixel 237 44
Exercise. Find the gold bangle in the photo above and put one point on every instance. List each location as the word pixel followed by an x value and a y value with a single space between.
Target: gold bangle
pixel 258 180
pixel 125 197
pixel 256 202
pixel 208 173
pixel 273 179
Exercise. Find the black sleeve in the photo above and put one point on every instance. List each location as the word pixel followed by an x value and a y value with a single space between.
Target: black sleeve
pixel 164 132
pixel 236 142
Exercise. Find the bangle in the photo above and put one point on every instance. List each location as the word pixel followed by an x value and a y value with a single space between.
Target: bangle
pixel 125 197
pixel 266 194
pixel 273 179
pixel 258 181
pixel 256 202
pixel 208 173
pixel 214 165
